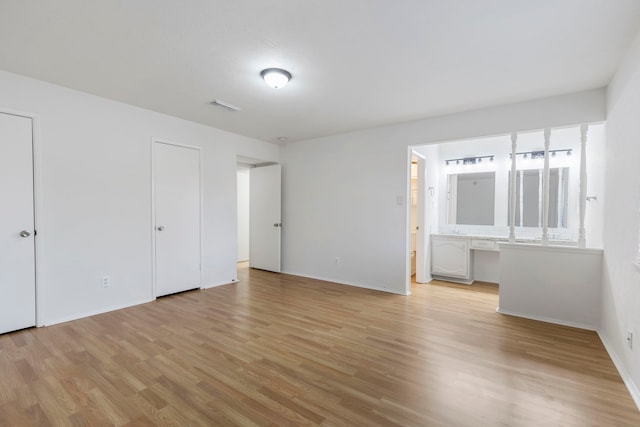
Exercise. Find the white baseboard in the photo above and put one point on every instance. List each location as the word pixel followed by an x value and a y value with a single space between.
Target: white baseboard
pixel 115 307
pixel 548 320
pixel 628 381
pixel 94 312
pixel 64 319
pixel 342 282
pixel 213 285
pixel 452 279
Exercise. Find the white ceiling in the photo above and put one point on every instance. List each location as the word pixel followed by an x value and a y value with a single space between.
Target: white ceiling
pixel 356 64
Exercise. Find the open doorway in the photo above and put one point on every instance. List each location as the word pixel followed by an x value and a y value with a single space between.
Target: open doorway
pixel 413 216
pixel 423 208
pixel 259 213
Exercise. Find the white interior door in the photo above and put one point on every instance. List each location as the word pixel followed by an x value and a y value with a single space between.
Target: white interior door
pixel 264 218
pixel 421 259
pixel 17 248
pixel 176 178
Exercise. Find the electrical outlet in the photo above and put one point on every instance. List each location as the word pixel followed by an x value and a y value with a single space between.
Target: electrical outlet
pixel 106 282
pixel 630 339
pixel 337 260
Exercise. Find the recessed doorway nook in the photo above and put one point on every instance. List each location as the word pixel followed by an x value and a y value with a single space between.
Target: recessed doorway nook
pixel 527 187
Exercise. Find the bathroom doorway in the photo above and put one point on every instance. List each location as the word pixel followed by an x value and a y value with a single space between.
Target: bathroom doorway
pixel 418 223
pixel 422 211
pixel 413 216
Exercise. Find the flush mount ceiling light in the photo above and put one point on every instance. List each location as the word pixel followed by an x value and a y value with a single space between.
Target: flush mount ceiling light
pixel 276 77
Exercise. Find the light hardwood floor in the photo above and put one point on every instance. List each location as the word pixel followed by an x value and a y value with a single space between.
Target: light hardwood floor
pixel 283 350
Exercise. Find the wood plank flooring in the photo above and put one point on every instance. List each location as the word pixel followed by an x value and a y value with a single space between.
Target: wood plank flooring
pixel 283 350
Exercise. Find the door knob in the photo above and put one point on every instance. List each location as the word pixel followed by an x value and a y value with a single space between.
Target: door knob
pixel 160 227
pixel 25 233
pixel 277 224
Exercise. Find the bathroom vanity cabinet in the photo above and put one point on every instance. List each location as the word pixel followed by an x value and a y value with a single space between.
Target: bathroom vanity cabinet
pixel 451 258
pixel 463 258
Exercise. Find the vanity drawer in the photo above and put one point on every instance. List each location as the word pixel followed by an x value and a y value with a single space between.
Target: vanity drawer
pixel 487 245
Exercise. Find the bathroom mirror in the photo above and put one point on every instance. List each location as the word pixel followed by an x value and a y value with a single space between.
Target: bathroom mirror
pixel 472 198
pixel 529 197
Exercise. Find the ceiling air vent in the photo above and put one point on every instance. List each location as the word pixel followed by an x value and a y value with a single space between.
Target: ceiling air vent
pixel 225 105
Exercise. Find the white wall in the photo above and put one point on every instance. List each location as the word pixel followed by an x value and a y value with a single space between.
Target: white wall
pixel 596 168
pixel 621 279
pixel 95 205
pixel 551 283
pixel 432 181
pixel 341 192
pixel 243 214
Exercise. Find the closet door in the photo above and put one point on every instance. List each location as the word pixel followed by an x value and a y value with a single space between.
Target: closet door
pixel 17 240
pixel 176 172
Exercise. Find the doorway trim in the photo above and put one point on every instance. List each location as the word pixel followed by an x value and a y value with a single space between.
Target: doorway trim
pixel 407 231
pixel 154 141
pixel 422 233
pixel 37 208
pixel 422 251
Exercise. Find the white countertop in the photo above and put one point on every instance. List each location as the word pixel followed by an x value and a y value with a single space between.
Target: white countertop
pixel 505 239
